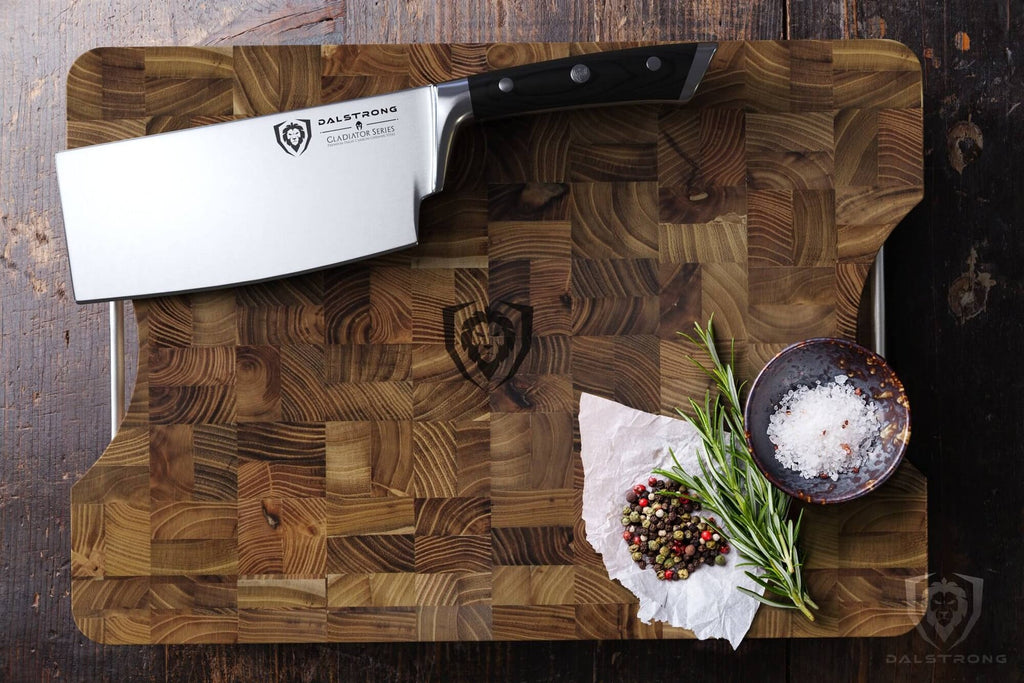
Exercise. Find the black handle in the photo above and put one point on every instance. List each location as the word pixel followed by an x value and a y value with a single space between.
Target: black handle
pixel 659 72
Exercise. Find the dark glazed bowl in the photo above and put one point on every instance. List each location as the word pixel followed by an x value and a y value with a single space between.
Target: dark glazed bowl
pixel 821 359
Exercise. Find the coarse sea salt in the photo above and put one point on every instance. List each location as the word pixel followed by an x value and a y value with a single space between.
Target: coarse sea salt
pixel 825 430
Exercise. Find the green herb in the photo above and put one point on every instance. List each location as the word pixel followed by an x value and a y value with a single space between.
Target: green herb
pixel 732 487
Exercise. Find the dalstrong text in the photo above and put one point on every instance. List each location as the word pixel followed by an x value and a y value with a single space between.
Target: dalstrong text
pixel 356 115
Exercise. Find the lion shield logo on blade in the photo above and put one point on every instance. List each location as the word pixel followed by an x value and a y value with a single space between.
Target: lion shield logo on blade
pixel 293 135
pixel 488 344
pixel 950 609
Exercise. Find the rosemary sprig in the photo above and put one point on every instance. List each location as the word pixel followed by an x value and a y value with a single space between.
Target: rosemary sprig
pixel 732 487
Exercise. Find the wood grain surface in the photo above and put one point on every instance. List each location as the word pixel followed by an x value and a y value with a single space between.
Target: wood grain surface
pixel 335 457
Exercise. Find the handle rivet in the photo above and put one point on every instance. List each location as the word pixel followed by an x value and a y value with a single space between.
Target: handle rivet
pixel 580 73
pixel 653 63
pixel 505 84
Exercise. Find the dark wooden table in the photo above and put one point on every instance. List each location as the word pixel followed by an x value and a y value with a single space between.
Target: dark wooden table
pixel 954 292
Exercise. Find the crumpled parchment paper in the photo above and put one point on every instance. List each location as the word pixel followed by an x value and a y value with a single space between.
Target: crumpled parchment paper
pixel 620 447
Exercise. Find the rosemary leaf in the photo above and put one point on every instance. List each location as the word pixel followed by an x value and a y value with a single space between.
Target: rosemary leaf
pixel 732 487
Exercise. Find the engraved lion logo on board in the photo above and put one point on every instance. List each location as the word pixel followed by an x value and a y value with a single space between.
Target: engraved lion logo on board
pixel 293 135
pixel 950 608
pixel 488 344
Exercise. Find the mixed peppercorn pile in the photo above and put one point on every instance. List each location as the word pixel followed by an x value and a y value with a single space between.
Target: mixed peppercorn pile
pixel 664 533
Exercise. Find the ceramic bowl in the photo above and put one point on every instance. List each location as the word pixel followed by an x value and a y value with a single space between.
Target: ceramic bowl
pixel 822 359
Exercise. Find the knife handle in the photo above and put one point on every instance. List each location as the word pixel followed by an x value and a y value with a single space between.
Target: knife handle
pixel 655 73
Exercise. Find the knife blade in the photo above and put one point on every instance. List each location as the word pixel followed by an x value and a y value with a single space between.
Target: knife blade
pixel 282 194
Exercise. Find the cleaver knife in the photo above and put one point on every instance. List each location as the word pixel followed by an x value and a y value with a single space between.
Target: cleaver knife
pixel 282 194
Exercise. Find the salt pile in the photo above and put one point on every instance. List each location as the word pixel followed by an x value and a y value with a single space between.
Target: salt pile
pixel 825 430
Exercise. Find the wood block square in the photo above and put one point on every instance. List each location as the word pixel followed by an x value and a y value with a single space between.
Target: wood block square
pixel 534 394
pixel 636 369
pixel 391 310
pixel 193 366
pixel 277 325
pixel 547 622
pixel 900 147
pixel 191 405
pixel 722 138
pixel 285 625
pixel 534 585
pixel 615 316
pixel 531 451
pixel 303 394
pixel 814 228
pixel 766 68
pixel 680 204
pixel 454 588
pixel 724 295
pixel 372 590
pixel 599 162
pixel 472 458
pixel 281 460
pixel 532 545
pixel 527 240
pixel 282 536
pixel 371 553
pixel 877 89
pixel 194 557
pixel 87 540
pixel 531 507
pixel 856 159
pixel 358 516
pixel 681 380
pixel 614 278
pixel 770 240
pixel 187 520
pixel 126 540
pixel 432 290
pixel 204 593
pixel 444 554
pixel 435 472
pixel 679 300
pixel 171 464
pixel 810 70
pixel 783 170
pixel 274 592
pixel 453 227
pixel 777 323
pixel 784 285
pixel 368 363
pixel 364 60
pixel 257 384
pixel 214 319
pixel 189 96
pixel 372 624
pixel 679 149
pixel 533 148
pixel 801 132
pixel 723 240
pixel 168 319
pixel 453 516
pixel 528 201
pixel 347 305
pixel 275 78
pixel 615 220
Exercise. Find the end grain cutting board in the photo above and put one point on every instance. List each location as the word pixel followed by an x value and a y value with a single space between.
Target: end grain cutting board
pixel 389 450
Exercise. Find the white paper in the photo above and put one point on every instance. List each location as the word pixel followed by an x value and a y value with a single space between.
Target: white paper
pixel 620 447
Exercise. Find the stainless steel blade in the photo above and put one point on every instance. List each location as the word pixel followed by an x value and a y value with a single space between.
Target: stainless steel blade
pixel 254 199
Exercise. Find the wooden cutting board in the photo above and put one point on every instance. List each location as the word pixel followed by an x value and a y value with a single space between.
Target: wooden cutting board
pixel 389 450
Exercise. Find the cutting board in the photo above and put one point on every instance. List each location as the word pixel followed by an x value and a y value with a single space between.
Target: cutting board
pixel 389 450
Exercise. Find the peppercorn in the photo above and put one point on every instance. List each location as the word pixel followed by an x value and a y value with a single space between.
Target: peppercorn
pixel 720 560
